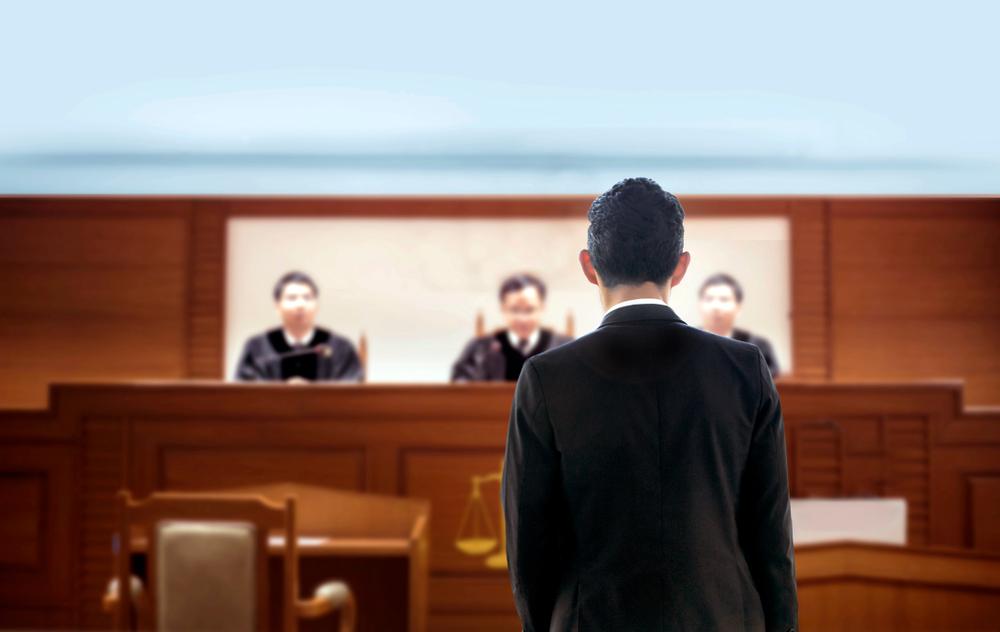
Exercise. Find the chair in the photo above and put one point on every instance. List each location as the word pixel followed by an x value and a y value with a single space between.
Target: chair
pixel 363 354
pixel 481 325
pixel 207 565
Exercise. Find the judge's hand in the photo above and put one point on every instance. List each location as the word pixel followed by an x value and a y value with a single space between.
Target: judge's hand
pixel 295 379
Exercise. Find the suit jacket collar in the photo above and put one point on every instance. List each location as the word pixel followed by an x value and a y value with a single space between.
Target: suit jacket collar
pixel 631 313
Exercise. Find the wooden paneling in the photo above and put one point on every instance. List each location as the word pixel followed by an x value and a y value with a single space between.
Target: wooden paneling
pixel 911 441
pixel 478 622
pixel 103 447
pixel 37 557
pixel 70 235
pixel 984 492
pixel 848 456
pixel 810 289
pixel 48 618
pixel 186 468
pixel 915 288
pixel 444 477
pixel 207 291
pixel 22 531
pixel 89 296
pixel 844 587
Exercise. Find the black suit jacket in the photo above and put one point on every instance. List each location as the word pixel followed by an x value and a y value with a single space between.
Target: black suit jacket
pixel 645 484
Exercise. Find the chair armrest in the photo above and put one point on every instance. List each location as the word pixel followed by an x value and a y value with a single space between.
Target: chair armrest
pixel 327 598
pixel 110 599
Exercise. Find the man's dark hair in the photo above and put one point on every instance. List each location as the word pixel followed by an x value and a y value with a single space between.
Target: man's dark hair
pixel 294 277
pixel 518 282
pixel 722 279
pixel 636 233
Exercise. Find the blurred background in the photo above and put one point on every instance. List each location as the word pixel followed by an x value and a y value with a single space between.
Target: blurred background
pixel 451 97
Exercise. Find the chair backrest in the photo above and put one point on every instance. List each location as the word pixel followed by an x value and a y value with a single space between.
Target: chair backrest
pixel 207 560
pixel 363 355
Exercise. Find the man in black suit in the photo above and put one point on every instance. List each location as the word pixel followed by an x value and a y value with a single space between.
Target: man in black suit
pixel 645 484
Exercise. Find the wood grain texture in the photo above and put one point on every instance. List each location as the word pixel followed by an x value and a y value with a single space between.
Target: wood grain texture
pixel 88 295
pixel 206 291
pixel 846 587
pixel 193 467
pixel 39 518
pixel 915 288
pixel 984 492
pixel 906 440
pixel 811 353
pixel 22 531
pixel 104 457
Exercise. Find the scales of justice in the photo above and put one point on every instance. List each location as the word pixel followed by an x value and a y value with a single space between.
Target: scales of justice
pixel 476 535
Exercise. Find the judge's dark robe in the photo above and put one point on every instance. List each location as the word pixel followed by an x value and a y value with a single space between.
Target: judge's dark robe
pixel 493 359
pixel 261 358
pixel 764 346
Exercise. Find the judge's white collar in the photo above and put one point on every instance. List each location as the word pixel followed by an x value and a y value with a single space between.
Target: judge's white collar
pixel 636 301
pixel 293 342
pixel 532 339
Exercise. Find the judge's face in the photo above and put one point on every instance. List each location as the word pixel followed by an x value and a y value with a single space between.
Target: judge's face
pixel 719 309
pixel 523 311
pixel 297 307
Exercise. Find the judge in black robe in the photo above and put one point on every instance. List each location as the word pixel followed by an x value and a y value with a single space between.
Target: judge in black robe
pixel 494 358
pixel 500 356
pixel 298 350
pixel 264 355
pixel 720 302
pixel 761 343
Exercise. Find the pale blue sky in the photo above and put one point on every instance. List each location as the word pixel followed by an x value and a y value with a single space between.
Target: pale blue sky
pixel 899 87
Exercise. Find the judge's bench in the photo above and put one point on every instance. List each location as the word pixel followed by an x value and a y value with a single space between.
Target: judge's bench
pixel 61 469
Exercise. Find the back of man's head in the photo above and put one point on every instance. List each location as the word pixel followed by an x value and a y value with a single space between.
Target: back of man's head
pixel 636 234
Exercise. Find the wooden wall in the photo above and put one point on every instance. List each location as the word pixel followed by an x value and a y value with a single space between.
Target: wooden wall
pixel 90 293
pixel 133 287
pixel 915 291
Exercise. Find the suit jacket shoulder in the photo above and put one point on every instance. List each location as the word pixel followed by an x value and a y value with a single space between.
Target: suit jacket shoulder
pixel 736 352
pixel 558 339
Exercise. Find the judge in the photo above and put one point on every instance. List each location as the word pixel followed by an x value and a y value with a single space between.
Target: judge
pixel 499 357
pixel 720 302
pixel 298 350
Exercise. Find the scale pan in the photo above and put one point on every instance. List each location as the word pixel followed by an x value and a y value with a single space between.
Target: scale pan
pixel 476 546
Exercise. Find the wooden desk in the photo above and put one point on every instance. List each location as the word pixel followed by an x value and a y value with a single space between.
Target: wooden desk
pixel 61 470
pixel 845 587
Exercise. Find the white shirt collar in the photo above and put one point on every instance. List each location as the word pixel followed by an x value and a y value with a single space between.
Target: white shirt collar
pixel 532 339
pixel 292 342
pixel 636 301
